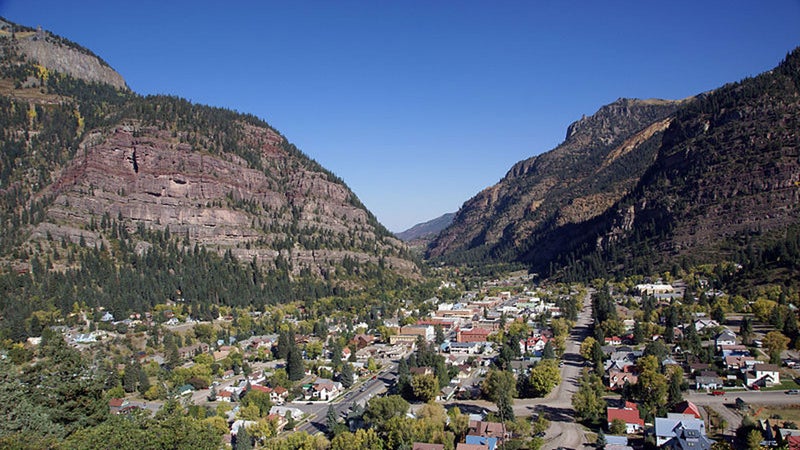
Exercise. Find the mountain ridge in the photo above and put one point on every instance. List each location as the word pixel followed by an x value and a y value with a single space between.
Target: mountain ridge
pixel 91 164
pixel 715 179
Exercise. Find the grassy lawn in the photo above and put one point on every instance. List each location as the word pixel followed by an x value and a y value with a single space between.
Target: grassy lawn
pixel 780 414
pixel 786 383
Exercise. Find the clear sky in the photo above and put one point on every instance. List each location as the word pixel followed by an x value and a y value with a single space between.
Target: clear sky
pixel 419 105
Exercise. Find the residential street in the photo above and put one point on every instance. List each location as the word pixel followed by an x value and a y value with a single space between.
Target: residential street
pixel 563 431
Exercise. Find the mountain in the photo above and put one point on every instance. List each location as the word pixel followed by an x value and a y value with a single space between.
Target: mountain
pixel 648 184
pixel 89 166
pixel 426 230
pixel 600 161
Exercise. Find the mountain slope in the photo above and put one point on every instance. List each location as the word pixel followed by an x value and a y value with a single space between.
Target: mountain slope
pixel 726 180
pixel 426 229
pixel 601 159
pixel 88 164
pixel 710 179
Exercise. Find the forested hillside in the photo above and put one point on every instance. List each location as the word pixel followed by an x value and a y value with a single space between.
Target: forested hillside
pixel 115 200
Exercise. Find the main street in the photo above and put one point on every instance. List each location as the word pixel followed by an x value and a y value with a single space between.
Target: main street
pixel 317 412
pixel 563 430
pixel 557 406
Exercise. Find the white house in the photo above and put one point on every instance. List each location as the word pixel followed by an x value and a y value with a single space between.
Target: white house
pixel 325 390
pixel 726 337
pixel 764 375
pixel 282 410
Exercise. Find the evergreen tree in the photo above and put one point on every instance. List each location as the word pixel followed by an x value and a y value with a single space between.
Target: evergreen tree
pixel 144 380
pixel 548 352
pixel 243 439
pixel 294 364
pixel 674 394
pixel 746 330
pixel 346 376
pixel 331 420
pixel 130 378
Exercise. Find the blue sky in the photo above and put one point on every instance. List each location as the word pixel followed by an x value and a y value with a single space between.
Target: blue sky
pixel 419 105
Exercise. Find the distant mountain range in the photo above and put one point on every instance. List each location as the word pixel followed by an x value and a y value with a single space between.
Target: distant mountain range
pixel 647 184
pixel 641 185
pixel 424 232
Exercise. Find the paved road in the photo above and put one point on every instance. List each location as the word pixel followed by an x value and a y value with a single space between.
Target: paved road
pixel 563 431
pixel 317 412
pixel 725 405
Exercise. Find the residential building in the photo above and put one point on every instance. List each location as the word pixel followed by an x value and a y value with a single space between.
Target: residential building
pixel 725 337
pixel 689 439
pixel 465 446
pixel 618 380
pixel 628 414
pixel 764 375
pixel 688 408
pixel 472 335
pixel 668 428
pixel 424 446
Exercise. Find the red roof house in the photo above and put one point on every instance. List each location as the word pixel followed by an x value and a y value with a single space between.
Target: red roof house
pixel 629 414
pixel 687 407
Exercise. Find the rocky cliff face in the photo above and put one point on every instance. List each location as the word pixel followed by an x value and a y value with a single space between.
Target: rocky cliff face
pixel 78 155
pixel 60 55
pixel 145 176
pixel 642 184
pixel 728 168
pixel 601 159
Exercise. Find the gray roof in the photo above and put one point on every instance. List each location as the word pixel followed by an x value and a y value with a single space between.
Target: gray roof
pixel 689 439
pixel 669 427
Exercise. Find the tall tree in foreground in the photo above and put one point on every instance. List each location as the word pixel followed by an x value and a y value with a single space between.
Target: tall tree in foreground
pixel 500 387
pixel 588 401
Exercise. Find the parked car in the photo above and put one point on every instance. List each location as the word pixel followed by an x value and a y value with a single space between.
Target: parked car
pixel 793 391
pixel 717 392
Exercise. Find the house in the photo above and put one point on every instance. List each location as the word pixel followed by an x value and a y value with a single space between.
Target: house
pixel 115 405
pixel 617 442
pixel 486 429
pixel 688 408
pixel 668 428
pixel 739 362
pixel 363 340
pixel 472 335
pixel 465 446
pixel 613 340
pixel 628 414
pixel 707 380
pixel 186 389
pixel 764 375
pixel 278 395
pixel 281 411
pixel 689 439
pixel 533 345
pixel 705 324
pixel 426 370
pixel 725 337
pixel 192 350
pixel 734 350
pixel 484 441
pixel 793 442
pixel 224 396
pixel 618 379
pixel 424 446
pixel 325 390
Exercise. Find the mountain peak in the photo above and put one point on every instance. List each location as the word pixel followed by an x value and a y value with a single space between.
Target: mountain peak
pixel 61 55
